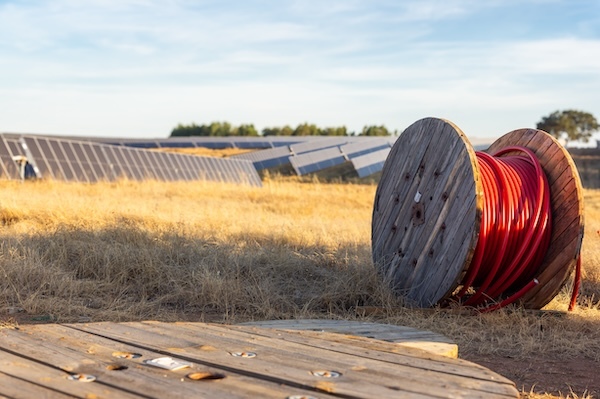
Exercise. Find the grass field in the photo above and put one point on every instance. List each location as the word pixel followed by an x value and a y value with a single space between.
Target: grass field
pixel 224 253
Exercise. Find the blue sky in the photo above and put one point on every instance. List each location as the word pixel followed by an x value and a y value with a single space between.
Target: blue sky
pixel 137 68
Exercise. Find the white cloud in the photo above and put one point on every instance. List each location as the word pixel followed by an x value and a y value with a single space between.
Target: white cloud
pixel 140 67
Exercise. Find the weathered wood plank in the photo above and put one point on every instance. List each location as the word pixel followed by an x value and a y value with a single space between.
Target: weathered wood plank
pixel 285 363
pixel 375 349
pixel 396 371
pixel 73 351
pixel 401 335
pixel 14 387
pixel 39 370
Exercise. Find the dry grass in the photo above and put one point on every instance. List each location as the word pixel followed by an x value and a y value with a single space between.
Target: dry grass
pixel 208 152
pixel 213 252
pixel 166 251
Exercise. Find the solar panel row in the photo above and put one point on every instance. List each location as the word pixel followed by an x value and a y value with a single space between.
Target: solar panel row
pixel 266 159
pixel 370 163
pixel 92 159
pixel 319 143
pixel 318 160
pixel 90 162
pixel 359 148
pixel 318 153
pixel 311 162
pixel 213 142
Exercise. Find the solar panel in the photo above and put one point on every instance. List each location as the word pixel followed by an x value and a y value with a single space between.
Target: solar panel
pixel 318 143
pixel 9 153
pixel 212 142
pixel 89 162
pixel 317 160
pixel 356 149
pixel 266 159
pixel 370 163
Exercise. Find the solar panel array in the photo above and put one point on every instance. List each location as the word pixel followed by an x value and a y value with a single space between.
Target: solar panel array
pixel 94 159
pixel 323 152
pixel 212 142
pixel 91 162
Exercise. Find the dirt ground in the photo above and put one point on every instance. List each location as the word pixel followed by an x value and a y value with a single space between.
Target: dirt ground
pixel 575 378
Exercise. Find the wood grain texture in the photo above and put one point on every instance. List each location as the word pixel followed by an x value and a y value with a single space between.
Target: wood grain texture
pixel 286 363
pixel 400 335
pixel 427 212
pixel 566 194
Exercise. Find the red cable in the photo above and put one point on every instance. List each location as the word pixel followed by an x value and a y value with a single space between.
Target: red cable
pixel 515 229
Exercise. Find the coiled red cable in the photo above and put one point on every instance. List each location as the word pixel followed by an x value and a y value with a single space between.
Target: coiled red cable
pixel 515 230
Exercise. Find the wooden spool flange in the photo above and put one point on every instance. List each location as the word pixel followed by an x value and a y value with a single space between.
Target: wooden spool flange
pixel 428 206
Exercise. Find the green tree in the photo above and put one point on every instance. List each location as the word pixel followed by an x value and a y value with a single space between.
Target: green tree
pixel 305 129
pixel 334 131
pixel 189 130
pixel 375 131
pixel 277 131
pixel 271 131
pixel 570 125
pixel 220 129
pixel 245 130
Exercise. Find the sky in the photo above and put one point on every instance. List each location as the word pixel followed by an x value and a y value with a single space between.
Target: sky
pixel 138 68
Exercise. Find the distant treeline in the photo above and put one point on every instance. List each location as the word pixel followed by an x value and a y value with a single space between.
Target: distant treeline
pixel 304 129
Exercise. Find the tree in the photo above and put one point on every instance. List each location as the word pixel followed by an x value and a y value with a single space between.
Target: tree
pixel 570 125
pixel 334 131
pixel 220 129
pixel 375 131
pixel 214 129
pixel 305 129
pixel 245 130
pixel 277 131
pixel 189 130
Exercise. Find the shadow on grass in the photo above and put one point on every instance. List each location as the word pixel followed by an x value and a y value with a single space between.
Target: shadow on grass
pixel 128 273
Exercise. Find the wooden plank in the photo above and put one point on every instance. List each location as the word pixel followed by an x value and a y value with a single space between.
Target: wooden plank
pixel 74 351
pixel 400 335
pixel 11 386
pixel 35 372
pixel 364 376
pixel 361 346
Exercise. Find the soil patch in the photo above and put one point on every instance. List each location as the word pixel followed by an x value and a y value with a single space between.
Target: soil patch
pixel 546 374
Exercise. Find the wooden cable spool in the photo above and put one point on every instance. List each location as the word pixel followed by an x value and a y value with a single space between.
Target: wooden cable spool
pixel 428 208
